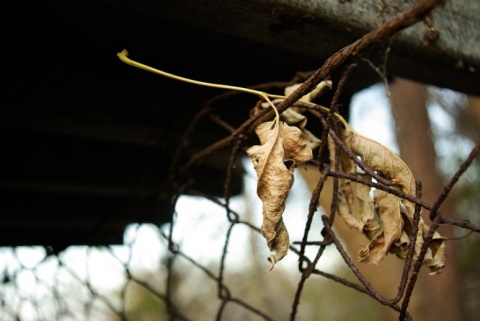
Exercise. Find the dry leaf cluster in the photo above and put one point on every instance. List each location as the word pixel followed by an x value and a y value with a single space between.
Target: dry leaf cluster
pixel 285 143
pixel 385 219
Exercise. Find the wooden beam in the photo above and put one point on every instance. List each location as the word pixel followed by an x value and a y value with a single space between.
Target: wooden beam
pixel 444 50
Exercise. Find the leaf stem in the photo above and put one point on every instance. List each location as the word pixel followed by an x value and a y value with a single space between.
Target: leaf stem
pixel 123 55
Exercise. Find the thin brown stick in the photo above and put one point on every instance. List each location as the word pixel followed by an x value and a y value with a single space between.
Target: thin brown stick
pixel 463 167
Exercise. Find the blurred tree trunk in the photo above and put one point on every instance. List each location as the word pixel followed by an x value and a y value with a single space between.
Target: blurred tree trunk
pixel 439 297
pixel 474 113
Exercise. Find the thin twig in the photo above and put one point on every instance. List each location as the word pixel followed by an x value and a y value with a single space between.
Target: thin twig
pixel 308 270
pixel 463 167
pixel 417 266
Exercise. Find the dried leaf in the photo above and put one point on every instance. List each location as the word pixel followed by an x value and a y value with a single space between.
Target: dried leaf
pixel 380 158
pixel 293 115
pixel 388 209
pixel 282 149
pixel 321 87
pixel 436 259
pixel 388 229
pixel 354 203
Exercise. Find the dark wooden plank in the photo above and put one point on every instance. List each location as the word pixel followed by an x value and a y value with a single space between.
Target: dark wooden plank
pixel 443 51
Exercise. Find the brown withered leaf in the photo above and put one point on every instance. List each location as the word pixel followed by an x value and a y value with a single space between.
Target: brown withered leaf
pixel 293 116
pixel 354 203
pixel 319 90
pixel 390 227
pixel 282 149
pixel 435 255
pixel 388 211
pixel 382 159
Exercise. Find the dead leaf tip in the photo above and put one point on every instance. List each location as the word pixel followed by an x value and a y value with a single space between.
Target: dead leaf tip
pixel 272 261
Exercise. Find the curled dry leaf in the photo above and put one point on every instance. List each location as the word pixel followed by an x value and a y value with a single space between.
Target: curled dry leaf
pixel 319 90
pixel 389 226
pixel 285 144
pixel 293 116
pixel 354 203
pixel 282 149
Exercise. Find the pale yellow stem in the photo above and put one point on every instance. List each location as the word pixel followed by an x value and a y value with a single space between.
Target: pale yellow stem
pixel 266 96
pixel 124 57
